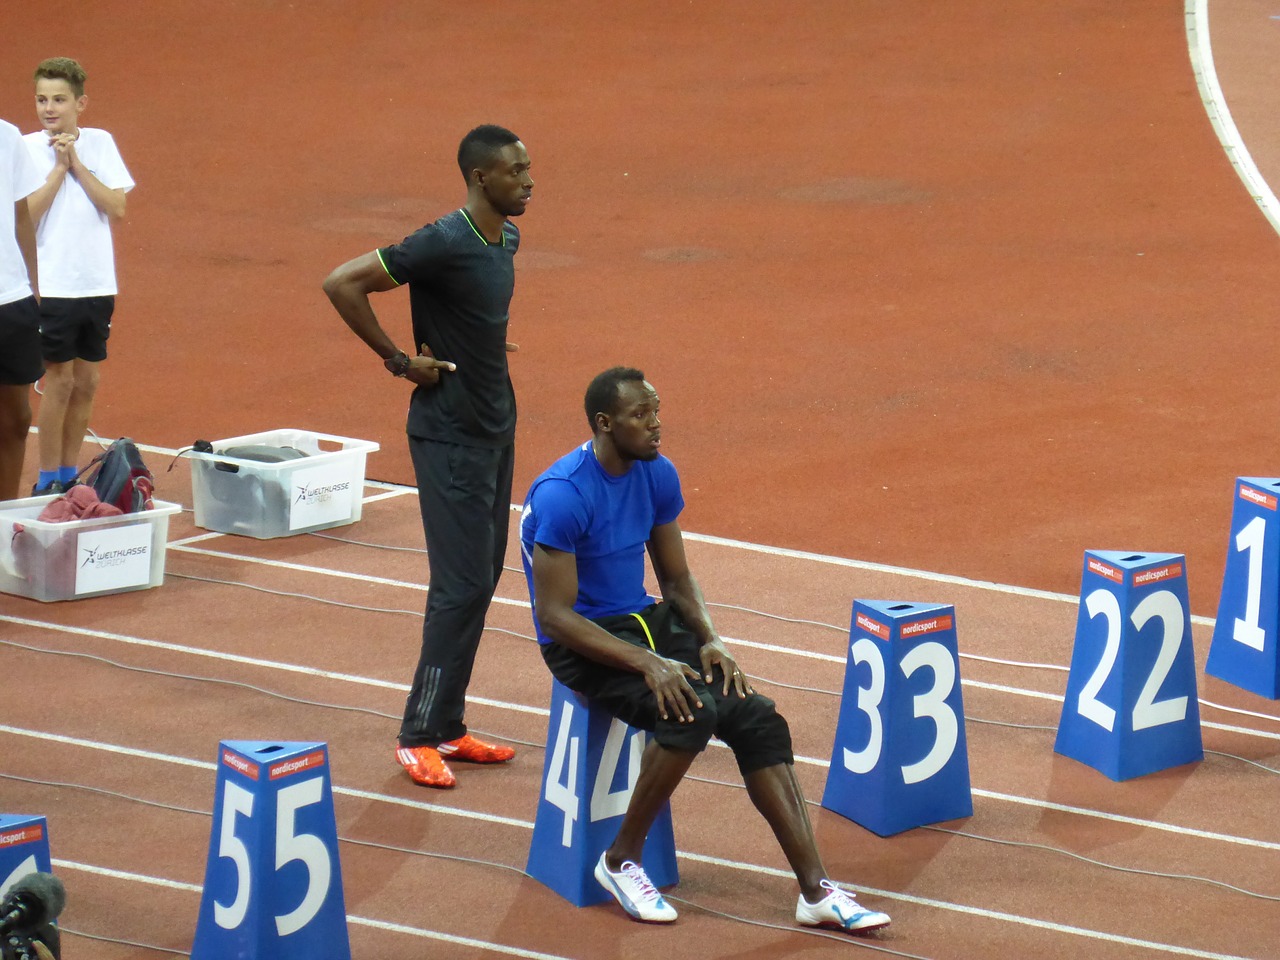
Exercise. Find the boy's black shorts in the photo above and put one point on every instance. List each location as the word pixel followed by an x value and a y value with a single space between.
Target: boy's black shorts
pixel 750 726
pixel 75 328
pixel 20 357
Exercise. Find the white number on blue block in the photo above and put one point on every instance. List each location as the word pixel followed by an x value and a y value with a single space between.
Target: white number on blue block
pixel 1103 602
pixel 306 847
pixel 864 650
pixel 933 704
pixel 562 776
pixel 235 800
pixel 290 846
pixel 606 802
pixel 1251 538
pixel 1147 712
pixel 21 870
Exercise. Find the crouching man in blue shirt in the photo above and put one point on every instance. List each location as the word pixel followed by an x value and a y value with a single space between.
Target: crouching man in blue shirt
pixel 659 667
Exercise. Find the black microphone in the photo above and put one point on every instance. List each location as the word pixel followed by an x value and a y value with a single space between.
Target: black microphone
pixel 34 900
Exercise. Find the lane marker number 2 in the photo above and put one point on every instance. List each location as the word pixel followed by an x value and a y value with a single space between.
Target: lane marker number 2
pixel 1147 711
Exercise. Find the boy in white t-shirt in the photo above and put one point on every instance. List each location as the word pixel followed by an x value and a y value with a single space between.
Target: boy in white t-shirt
pixel 20 362
pixel 84 190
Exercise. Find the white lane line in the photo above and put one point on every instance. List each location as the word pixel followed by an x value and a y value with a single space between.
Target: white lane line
pixel 832 658
pixel 986 585
pixel 124 875
pixel 198 538
pixel 326 572
pixel 1095 814
pixel 97 745
pixel 774 648
pixel 503 704
pixel 389 494
pixel 871 567
pixel 699 858
pixel 494 818
pixel 1215 105
pixel 1237 710
pixel 450 938
pixel 752 644
pixel 981 912
pixel 140 754
pixel 1132 821
pixel 434 808
pixel 351 918
pixel 254 661
pixel 398 490
pixel 524 604
pixel 299 567
pixel 905 572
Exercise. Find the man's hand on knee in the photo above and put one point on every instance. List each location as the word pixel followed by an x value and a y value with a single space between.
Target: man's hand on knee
pixel 715 654
pixel 669 681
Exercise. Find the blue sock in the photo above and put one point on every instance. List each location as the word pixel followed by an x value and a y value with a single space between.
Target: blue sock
pixel 67 474
pixel 46 478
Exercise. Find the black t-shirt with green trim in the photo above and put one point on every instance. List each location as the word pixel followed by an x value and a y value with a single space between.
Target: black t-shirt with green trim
pixel 460 288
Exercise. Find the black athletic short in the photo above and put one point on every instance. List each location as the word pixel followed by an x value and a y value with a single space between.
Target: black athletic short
pixel 751 726
pixel 20 358
pixel 75 328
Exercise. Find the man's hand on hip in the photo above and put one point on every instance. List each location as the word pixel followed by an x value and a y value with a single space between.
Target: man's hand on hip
pixel 424 369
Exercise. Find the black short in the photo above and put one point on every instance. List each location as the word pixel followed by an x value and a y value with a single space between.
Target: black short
pixel 750 726
pixel 21 361
pixel 75 328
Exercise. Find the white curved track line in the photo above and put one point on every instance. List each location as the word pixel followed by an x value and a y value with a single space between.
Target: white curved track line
pixel 503 704
pixel 351 918
pixel 1215 105
pixel 893 895
pixel 80 743
pixel 981 912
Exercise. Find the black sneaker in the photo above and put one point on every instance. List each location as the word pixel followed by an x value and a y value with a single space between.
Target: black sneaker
pixel 53 488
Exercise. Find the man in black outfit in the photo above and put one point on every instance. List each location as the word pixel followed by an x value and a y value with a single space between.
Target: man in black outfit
pixel 461 426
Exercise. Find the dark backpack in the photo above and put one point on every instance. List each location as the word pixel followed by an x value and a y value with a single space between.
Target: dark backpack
pixel 118 476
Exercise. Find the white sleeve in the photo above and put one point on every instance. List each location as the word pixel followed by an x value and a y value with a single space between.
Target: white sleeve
pixel 24 176
pixel 111 169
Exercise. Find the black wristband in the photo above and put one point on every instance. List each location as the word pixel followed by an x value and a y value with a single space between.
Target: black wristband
pixel 397 365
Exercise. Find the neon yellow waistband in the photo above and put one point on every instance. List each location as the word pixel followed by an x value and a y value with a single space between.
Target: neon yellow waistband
pixel 645 627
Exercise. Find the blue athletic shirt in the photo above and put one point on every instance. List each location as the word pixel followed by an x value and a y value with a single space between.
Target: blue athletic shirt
pixel 605 521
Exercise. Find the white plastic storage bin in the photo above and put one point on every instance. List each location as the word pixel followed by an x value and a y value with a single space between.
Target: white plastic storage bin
pixel 80 558
pixel 323 489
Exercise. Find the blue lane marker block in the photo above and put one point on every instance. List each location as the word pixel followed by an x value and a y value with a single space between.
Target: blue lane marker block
pixel 1244 650
pixel 24 848
pixel 273 885
pixel 900 757
pixel 1131 705
pixel 592 761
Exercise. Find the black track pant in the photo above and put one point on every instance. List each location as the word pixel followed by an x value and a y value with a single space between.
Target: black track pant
pixel 751 726
pixel 465 495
